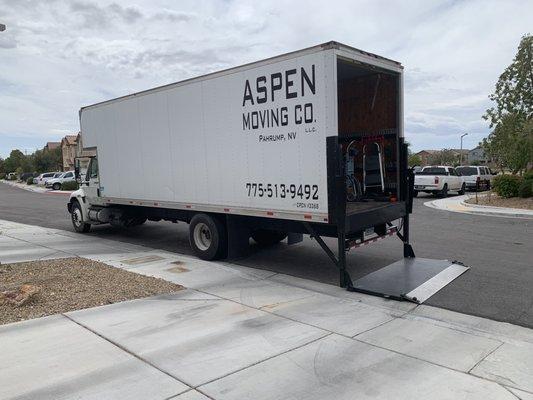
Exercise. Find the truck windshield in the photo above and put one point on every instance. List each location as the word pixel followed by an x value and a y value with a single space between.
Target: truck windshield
pixel 466 171
pixel 433 171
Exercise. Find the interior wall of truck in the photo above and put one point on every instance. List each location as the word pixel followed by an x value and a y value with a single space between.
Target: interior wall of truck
pixel 368 123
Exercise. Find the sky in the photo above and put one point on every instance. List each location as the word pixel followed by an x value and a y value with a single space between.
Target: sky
pixel 57 56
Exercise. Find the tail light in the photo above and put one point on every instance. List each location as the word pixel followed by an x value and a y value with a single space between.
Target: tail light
pixel 478 179
pixel 436 180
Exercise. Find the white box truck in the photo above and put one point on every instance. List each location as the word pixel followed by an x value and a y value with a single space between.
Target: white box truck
pixel 309 142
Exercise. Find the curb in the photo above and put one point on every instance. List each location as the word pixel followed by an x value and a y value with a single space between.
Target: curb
pixel 458 205
pixel 513 212
pixel 34 189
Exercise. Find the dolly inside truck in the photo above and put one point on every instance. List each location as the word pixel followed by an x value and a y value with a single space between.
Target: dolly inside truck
pixel 309 142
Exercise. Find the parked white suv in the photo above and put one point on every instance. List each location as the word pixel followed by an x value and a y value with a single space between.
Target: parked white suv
pixel 473 174
pixel 438 180
pixel 42 178
pixel 55 183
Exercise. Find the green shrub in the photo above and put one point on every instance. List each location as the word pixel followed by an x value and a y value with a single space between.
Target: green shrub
pixel 525 189
pixel 29 181
pixel 507 185
pixel 528 176
pixel 2 175
pixel 70 185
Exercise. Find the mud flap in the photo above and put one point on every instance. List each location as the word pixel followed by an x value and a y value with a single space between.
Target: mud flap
pixel 413 279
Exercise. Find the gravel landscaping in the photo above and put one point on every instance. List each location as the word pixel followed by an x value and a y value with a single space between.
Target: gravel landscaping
pixel 68 284
pixel 494 200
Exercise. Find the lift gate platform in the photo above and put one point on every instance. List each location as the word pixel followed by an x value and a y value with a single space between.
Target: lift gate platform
pixel 413 279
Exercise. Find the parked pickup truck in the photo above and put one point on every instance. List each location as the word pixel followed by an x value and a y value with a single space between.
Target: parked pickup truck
pixel 438 180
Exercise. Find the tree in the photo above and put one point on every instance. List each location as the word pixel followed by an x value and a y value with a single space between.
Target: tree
pixel 510 144
pixel 514 90
pixel 414 160
pixel 443 157
pixel 14 161
pixel 47 160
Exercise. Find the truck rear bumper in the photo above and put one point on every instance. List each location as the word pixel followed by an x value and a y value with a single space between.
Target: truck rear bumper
pixel 357 220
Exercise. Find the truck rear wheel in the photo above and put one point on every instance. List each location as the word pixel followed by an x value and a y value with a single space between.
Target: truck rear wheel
pixel 265 237
pixel 444 192
pixel 208 237
pixel 77 219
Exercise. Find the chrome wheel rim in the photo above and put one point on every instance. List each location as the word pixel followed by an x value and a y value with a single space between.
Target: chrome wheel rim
pixel 202 236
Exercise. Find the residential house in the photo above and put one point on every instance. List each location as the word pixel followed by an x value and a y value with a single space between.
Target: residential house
pixel 460 155
pixel 424 156
pixel 84 156
pixel 51 146
pixel 68 150
pixel 477 156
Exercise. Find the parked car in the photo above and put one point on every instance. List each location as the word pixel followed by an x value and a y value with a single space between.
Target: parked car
pixel 55 183
pixel 476 176
pixel 438 180
pixel 24 177
pixel 42 178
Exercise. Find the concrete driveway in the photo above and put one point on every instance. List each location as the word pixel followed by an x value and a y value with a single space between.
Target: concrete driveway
pixel 243 333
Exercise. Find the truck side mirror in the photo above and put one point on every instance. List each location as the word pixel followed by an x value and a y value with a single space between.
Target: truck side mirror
pixel 77 170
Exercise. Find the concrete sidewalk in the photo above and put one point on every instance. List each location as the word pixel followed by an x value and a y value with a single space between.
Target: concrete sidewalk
pixel 242 333
pixel 458 204
pixel 35 188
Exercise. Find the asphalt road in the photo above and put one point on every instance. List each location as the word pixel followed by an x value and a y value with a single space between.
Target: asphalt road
pixel 499 251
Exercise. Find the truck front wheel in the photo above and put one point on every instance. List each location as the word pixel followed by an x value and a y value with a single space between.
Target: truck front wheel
pixel 77 219
pixel 265 237
pixel 208 237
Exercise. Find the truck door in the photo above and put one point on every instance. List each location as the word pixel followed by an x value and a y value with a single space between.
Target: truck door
pixel 92 182
pixel 454 179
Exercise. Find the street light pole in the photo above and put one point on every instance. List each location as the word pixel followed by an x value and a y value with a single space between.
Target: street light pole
pixel 461 151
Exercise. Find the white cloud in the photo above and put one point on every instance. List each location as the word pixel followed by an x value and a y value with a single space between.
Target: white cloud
pixel 59 55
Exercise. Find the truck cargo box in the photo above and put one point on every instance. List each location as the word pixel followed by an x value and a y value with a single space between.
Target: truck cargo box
pixel 252 140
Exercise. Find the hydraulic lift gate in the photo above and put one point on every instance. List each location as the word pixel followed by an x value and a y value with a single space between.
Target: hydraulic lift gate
pixel 413 279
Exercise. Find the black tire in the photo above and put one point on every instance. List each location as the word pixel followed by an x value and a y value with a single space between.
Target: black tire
pixel 76 216
pixel 488 185
pixel 265 237
pixel 444 191
pixel 56 186
pixel 415 193
pixel 208 237
pixel 463 189
pixel 138 221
